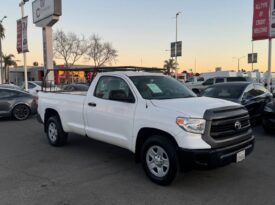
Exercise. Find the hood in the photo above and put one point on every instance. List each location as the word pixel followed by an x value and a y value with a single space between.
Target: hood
pixel 192 107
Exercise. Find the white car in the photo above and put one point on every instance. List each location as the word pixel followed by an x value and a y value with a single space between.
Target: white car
pixel 154 116
pixel 36 86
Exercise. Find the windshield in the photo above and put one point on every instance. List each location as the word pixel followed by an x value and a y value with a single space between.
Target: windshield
pixel 225 91
pixel 160 88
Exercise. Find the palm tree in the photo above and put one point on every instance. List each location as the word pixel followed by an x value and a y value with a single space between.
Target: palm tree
pixel 2 32
pixel 8 61
pixel 170 65
pixel 2 36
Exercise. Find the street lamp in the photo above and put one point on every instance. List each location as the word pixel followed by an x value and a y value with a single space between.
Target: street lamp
pixel 239 61
pixel 21 4
pixel 1 58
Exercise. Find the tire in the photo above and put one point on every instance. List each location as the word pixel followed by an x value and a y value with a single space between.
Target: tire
pixel 21 112
pixel 55 133
pixel 161 153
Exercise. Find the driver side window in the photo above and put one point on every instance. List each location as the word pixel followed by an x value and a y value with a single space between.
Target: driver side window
pixel 113 88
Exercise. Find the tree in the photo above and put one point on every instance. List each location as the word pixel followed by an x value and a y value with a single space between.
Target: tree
pixel 69 47
pixel 2 32
pixel 2 36
pixel 8 61
pixel 101 53
pixel 35 63
pixel 170 65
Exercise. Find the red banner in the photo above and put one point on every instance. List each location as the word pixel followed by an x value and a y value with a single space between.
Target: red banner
pixel 19 36
pixel 261 20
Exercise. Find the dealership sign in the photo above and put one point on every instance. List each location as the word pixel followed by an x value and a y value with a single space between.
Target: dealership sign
pixel 261 19
pixel 272 19
pixel 264 19
pixel 22 35
pixel 43 9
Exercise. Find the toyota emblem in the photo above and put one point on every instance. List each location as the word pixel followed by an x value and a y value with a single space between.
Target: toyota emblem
pixel 238 125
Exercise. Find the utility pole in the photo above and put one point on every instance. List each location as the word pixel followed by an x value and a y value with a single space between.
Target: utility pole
pixel 176 45
pixel 269 77
pixel 239 61
pixel 1 57
pixel 22 3
pixel 252 56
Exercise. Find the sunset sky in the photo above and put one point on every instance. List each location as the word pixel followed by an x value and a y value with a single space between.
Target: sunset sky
pixel 212 31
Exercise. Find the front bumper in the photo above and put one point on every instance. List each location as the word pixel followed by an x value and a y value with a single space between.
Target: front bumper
pixel 215 157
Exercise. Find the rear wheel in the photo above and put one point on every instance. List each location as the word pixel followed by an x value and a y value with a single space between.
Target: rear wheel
pixel 21 112
pixel 159 159
pixel 55 133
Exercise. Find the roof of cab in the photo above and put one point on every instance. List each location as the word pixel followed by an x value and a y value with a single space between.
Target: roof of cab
pixel 132 73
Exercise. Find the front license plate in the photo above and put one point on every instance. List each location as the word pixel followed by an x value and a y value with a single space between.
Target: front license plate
pixel 241 156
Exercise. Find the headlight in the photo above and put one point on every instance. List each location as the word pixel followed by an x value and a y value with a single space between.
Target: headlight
pixel 196 126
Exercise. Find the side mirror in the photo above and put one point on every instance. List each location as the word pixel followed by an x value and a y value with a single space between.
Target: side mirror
pixel 120 95
pixel 273 95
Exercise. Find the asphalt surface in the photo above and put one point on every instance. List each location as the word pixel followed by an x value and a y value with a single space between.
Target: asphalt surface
pixel 89 172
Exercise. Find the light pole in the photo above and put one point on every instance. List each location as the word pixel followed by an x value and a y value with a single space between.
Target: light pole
pixel 176 45
pixel 21 4
pixel 239 61
pixel 1 57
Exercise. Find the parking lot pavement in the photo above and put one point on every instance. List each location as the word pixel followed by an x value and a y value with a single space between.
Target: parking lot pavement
pixel 90 172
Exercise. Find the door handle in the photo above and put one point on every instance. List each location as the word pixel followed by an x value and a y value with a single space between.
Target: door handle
pixel 91 104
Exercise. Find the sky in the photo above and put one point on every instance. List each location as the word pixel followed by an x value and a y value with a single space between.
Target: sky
pixel 212 32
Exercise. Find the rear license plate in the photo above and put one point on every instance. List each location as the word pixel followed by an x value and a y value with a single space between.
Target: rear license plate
pixel 241 156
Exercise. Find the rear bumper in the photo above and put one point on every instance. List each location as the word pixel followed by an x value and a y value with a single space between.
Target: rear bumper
pixel 215 157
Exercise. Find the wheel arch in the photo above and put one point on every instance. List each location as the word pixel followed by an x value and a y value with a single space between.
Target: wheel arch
pixel 145 133
pixel 49 112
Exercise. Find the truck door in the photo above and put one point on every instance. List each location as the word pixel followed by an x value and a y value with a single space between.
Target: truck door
pixel 110 110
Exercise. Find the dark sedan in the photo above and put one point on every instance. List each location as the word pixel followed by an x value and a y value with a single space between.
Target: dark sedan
pixel 251 95
pixel 269 117
pixel 17 104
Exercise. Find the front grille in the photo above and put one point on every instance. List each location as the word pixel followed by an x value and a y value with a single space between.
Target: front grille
pixel 229 127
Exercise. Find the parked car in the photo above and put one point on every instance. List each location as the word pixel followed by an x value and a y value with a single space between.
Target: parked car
pixel 17 104
pixel 155 117
pixel 198 88
pixel 76 87
pixel 251 95
pixel 11 86
pixel 269 117
pixel 35 86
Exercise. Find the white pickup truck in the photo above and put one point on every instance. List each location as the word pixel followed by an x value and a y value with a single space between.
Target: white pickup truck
pixel 154 116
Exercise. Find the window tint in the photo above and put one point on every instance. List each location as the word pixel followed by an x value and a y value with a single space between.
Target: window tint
pixel 236 79
pixel 31 86
pixel 209 82
pixel 219 80
pixel 108 85
pixel 260 90
pixel 7 93
pixel 252 92
pixel 224 91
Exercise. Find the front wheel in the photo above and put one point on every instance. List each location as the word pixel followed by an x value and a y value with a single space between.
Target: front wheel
pixel 55 133
pixel 159 160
